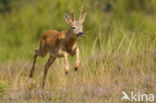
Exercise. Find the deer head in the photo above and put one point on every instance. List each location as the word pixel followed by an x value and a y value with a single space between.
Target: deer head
pixel 75 25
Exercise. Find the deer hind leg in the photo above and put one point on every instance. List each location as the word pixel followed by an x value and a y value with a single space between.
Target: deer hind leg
pixel 47 65
pixel 77 60
pixel 33 66
pixel 41 53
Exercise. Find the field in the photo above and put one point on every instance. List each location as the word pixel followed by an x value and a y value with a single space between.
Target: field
pixel 117 53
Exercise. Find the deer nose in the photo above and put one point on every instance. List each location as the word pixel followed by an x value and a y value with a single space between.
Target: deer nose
pixel 80 34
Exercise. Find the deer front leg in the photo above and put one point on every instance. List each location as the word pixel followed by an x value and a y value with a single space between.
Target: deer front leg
pixel 65 55
pixel 66 63
pixel 77 60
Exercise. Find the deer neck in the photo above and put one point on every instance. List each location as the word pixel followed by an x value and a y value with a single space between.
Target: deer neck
pixel 70 36
pixel 71 40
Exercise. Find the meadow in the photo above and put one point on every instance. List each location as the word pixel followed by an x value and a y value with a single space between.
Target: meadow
pixel 117 53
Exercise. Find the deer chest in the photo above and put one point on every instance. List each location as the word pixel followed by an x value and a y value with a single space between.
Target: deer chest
pixel 71 48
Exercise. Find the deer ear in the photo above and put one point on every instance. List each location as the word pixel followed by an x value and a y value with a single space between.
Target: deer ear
pixel 82 18
pixel 67 18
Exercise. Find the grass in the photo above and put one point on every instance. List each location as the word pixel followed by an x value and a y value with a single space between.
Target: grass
pixel 128 64
pixel 118 52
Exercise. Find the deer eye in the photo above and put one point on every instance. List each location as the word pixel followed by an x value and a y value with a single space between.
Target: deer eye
pixel 73 27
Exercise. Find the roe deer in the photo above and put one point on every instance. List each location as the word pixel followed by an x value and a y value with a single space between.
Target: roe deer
pixel 59 44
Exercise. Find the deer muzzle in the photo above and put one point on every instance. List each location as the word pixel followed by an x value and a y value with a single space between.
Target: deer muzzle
pixel 80 34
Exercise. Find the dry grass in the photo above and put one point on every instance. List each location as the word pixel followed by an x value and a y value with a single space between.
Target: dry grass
pixel 104 73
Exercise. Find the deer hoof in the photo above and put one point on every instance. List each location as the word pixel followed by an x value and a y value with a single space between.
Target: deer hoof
pixel 30 76
pixel 66 73
pixel 75 69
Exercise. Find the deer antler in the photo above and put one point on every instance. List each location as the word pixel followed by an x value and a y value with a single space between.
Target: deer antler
pixel 81 12
pixel 72 13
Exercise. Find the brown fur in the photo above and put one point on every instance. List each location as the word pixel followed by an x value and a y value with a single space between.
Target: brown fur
pixel 53 41
pixel 59 44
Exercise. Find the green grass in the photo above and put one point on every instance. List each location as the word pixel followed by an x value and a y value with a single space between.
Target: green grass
pixel 118 52
pixel 128 64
